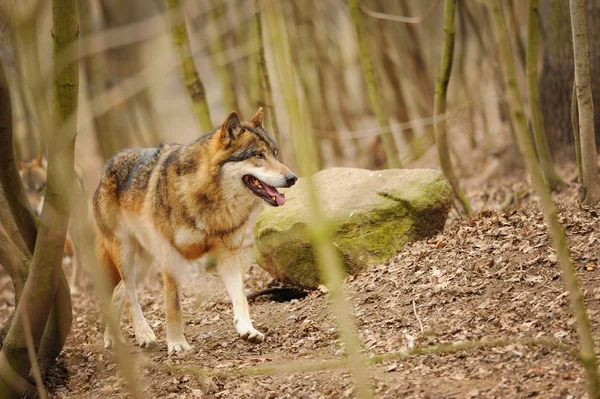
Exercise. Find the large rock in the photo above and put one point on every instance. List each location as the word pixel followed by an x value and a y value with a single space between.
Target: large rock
pixel 372 215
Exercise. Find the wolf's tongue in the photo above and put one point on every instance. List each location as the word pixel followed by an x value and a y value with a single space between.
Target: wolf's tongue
pixel 279 197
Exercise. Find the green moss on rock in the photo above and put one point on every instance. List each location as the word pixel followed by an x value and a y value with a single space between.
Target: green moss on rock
pixel 372 214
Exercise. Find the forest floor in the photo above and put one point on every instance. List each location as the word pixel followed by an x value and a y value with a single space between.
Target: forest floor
pixel 490 277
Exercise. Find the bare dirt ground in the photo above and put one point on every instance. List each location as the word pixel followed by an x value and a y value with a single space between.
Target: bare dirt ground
pixel 489 277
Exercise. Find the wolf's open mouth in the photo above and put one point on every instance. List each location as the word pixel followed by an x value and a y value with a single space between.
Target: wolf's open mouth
pixel 261 189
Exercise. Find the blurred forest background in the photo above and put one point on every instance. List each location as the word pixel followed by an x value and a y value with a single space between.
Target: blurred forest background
pixel 358 78
pixel 132 93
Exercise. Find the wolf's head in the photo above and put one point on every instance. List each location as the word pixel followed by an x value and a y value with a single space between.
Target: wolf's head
pixel 33 174
pixel 251 159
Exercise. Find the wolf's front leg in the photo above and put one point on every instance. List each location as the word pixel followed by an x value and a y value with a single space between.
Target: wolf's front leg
pixel 231 270
pixel 176 342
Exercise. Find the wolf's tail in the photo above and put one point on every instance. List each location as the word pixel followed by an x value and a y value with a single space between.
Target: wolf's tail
pixel 107 265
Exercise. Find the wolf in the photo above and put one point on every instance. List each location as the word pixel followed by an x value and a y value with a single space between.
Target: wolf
pixel 172 205
pixel 33 175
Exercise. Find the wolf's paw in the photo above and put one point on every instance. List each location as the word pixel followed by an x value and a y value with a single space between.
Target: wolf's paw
pixel 109 339
pixel 145 337
pixel 178 345
pixel 249 333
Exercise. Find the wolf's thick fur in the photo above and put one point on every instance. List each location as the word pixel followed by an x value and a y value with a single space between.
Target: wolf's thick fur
pixel 176 203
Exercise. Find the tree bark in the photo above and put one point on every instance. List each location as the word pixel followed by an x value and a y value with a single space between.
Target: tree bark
pixel 439 107
pixel 557 75
pixel 46 270
pixel 391 150
pixel 218 18
pixel 539 134
pixel 559 239
pixel 191 79
pixel 585 103
pixel 266 80
pixel 95 67
pixel 391 72
pixel 9 172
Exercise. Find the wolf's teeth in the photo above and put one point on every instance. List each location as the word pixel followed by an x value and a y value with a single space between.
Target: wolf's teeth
pixel 273 197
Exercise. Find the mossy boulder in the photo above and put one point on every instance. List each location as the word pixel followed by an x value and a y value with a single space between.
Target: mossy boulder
pixel 372 214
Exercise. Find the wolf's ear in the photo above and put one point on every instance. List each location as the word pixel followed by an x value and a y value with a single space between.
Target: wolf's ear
pixel 258 119
pixel 230 129
pixel 41 161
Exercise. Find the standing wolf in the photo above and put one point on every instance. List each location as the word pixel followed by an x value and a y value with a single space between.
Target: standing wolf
pixel 175 203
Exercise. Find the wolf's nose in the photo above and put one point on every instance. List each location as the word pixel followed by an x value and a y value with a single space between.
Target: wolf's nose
pixel 290 179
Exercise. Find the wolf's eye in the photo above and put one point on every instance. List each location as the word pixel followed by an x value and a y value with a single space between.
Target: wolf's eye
pixel 259 155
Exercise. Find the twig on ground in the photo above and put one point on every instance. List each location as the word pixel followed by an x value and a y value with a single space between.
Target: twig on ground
pixel 417 316
pixel 294 367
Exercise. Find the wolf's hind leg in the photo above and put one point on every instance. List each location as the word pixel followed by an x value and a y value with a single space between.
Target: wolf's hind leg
pixel 176 342
pixel 231 270
pixel 116 308
pixel 132 259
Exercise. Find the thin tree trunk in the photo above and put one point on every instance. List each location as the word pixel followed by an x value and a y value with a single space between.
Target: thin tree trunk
pixel 575 124
pixel 9 172
pixel 539 134
pixel 581 56
pixel 28 56
pixel 587 354
pixel 400 108
pixel 266 80
pixel 439 106
pixel 391 150
pixel 14 262
pixel 462 73
pixel 216 19
pixel 191 79
pixel 95 71
pixel 45 273
pixel 10 228
pixel 513 27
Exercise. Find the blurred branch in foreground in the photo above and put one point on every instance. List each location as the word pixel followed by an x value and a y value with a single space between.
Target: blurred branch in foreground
pixel 326 256
pixel 191 79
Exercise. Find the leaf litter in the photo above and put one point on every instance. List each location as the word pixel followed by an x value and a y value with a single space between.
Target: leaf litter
pixel 489 276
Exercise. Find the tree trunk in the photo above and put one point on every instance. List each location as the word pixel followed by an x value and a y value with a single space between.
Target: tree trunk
pixel 399 108
pixel 556 79
pixel 391 150
pixel 559 239
pixel 267 92
pixel 9 172
pixel 191 79
pixel 439 107
pixel 589 159
pixel 39 291
pixel 539 134
pixel 217 19
pixel 95 67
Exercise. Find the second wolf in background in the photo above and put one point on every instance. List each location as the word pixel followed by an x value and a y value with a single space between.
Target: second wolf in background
pixel 33 175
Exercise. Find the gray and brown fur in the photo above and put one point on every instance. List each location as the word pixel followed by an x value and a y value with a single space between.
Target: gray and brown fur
pixel 175 203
